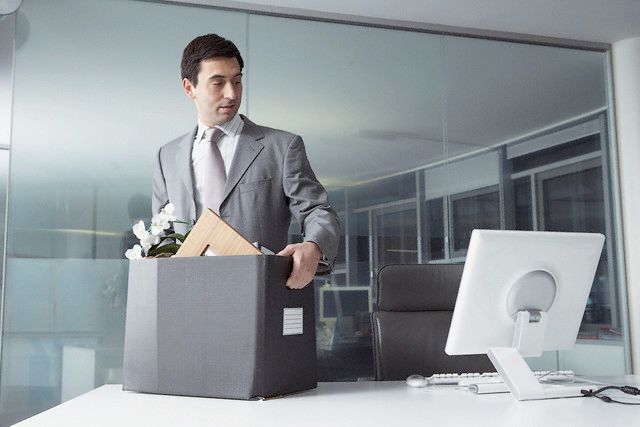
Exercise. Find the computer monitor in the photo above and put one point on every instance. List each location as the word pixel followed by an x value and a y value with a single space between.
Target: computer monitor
pixel 523 292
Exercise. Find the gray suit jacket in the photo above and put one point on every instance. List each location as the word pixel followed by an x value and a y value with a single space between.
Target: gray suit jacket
pixel 269 181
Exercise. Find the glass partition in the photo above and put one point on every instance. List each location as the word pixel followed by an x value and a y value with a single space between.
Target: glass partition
pixel 542 111
pixel 97 91
pixel 419 138
pixel 368 103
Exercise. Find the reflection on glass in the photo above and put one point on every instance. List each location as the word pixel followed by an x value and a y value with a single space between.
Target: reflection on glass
pixel 575 202
pixel 570 191
pixel 361 253
pixel 4 176
pixel 372 118
pixel 567 151
pixel 82 153
pixel 435 229
pixel 396 237
pixel 479 209
pixel 523 208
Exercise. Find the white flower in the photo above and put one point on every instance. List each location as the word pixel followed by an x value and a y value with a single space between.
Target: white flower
pixel 167 212
pixel 134 253
pixel 139 230
pixel 148 241
pixel 148 238
pixel 159 222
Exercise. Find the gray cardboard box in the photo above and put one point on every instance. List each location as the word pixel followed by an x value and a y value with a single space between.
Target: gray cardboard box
pixel 218 327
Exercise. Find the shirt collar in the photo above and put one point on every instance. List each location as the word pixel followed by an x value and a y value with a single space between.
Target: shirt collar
pixel 231 128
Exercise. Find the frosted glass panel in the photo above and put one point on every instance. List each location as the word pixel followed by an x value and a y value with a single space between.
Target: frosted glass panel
pixel 545 110
pixel 7 31
pixel 97 91
pixel 367 101
pixel 410 133
pixel 498 92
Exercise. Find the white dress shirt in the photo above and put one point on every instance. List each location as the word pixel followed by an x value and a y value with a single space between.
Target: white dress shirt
pixel 227 145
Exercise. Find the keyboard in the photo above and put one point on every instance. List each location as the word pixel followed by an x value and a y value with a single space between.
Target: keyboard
pixel 466 379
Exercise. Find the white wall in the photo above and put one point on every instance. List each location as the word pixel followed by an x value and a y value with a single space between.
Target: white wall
pixel 626 78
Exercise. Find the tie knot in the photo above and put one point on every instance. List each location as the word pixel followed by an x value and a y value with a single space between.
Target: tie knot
pixel 214 134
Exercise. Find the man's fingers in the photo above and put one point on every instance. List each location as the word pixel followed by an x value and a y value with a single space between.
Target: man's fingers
pixel 298 279
pixel 300 276
pixel 305 263
pixel 287 251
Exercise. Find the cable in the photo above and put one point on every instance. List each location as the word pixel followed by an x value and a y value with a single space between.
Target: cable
pixel 627 389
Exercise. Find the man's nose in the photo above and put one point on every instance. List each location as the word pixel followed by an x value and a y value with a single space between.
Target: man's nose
pixel 230 91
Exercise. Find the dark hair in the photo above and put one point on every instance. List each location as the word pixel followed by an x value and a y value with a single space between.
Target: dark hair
pixel 206 47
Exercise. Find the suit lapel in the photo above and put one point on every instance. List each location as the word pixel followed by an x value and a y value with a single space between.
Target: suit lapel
pixel 249 146
pixel 184 166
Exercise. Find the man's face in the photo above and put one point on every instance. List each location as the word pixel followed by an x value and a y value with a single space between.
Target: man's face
pixel 218 92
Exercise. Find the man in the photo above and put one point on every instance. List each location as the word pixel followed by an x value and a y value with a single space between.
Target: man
pixel 255 177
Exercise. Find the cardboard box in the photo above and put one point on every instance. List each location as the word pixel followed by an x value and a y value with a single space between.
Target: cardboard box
pixel 222 326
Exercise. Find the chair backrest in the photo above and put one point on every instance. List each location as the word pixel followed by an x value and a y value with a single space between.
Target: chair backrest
pixel 410 326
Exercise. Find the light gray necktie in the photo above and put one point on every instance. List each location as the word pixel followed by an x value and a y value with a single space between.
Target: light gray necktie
pixel 214 173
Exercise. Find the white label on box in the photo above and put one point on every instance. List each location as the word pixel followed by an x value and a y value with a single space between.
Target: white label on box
pixel 292 321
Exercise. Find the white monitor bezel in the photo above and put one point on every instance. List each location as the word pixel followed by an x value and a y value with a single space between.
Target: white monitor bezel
pixel 496 258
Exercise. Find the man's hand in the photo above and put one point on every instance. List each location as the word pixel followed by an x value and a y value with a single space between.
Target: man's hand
pixel 305 256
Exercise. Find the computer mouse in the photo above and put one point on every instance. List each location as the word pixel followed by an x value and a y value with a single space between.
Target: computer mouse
pixel 416 380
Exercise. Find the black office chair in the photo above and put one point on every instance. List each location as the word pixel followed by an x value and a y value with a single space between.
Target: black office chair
pixel 410 326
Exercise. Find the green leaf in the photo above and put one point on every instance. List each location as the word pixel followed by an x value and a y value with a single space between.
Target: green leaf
pixel 177 236
pixel 162 240
pixel 170 248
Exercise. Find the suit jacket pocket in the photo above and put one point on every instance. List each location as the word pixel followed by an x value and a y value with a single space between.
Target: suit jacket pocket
pixel 261 184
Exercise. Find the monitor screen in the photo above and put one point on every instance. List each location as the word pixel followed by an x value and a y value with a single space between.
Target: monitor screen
pixel 511 271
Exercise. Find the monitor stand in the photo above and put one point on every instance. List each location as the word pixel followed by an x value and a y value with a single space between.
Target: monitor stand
pixel 515 372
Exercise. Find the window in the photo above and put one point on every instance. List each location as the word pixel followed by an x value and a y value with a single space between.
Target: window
pixel 465 133
pixel 565 189
pixel 434 229
pixel 477 209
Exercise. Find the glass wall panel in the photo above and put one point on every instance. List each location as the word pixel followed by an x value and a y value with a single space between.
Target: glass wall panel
pixel 419 138
pixel 396 238
pixel 476 209
pixel 368 103
pixel 543 110
pixel 523 205
pixel 497 92
pixel 97 91
pixel 433 230
pixel 4 180
pixel 7 35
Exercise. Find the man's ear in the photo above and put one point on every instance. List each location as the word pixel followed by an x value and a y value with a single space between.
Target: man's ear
pixel 188 88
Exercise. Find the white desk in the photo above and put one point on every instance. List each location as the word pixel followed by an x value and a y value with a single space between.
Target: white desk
pixel 338 404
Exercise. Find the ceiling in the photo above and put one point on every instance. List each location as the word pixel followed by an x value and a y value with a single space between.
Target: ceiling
pixel 587 20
